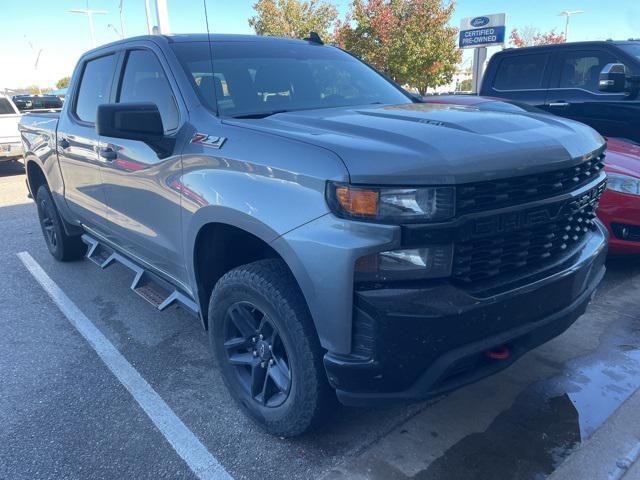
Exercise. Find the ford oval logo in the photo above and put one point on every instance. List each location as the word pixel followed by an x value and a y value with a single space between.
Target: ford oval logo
pixel 480 21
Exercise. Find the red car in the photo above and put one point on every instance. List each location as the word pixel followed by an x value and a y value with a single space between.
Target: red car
pixel 620 204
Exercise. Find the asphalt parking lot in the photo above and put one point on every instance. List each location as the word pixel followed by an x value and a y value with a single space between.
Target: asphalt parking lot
pixel 64 414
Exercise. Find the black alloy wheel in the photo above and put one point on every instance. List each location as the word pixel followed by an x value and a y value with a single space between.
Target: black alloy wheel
pixel 47 224
pixel 256 351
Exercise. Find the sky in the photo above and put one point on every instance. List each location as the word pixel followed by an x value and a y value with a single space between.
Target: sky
pixel 60 37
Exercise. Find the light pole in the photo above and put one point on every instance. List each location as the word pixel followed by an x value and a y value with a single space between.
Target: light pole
pixel 121 7
pixel 89 13
pixel 567 14
pixel 162 12
pixel 147 10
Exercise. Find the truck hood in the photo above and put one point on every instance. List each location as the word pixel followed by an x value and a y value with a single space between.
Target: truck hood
pixel 417 144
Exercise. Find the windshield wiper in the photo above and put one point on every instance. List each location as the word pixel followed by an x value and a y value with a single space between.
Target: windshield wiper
pixel 259 114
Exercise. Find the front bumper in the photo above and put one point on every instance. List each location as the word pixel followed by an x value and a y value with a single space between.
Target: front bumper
pixel 10 150
pixel 414 342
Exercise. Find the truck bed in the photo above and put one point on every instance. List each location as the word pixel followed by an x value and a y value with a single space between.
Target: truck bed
pixel 38 130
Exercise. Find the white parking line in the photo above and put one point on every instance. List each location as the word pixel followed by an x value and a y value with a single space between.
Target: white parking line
pixel 183 441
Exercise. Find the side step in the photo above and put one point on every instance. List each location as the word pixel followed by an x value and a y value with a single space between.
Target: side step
pixel 155 290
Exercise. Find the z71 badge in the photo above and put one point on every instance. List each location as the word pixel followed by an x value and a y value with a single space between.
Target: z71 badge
pixel 208 140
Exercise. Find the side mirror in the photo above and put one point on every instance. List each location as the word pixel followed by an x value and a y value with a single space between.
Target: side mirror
pixel 134 121
pixel 613 78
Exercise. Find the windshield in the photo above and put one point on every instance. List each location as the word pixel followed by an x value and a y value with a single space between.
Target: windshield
pixel 255 79
pixel 632 49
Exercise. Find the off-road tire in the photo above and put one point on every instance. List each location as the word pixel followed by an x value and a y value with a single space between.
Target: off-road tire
pixel 65 248
pixel 269 286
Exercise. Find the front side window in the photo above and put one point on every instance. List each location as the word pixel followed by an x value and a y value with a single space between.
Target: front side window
pixel 256 78
pixel 521 72
pixel 582 69
pixel 95 87
pixel 144 81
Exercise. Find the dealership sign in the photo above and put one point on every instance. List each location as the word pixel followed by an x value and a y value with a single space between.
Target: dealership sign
pixel 482 31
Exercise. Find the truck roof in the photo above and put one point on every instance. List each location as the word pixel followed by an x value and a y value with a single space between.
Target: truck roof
pixel 591 43
pixel 200 37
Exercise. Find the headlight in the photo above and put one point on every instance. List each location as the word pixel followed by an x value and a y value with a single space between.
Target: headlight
pixel 391 204
pixel 411 264
pixel 623 183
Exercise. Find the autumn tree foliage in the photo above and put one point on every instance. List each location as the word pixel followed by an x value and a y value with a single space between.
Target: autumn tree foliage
pixel 408 40
pixel 63 82
pixel 531 36
pixel 293 18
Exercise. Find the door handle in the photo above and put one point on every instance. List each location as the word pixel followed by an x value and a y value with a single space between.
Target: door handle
pixel 108 153
pixel 63 143
pixel 559 104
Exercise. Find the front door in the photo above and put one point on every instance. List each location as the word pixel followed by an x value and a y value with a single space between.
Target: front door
pixel 140 184
pixel 574 93
pixel 78 142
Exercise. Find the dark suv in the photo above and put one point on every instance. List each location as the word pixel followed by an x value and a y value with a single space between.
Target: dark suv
pixel 595 83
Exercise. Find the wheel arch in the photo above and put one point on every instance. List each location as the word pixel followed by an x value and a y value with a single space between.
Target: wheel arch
pixel 35 175
pixel 249 239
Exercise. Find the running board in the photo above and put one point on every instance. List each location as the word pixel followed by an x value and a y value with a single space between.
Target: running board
pixel 155 290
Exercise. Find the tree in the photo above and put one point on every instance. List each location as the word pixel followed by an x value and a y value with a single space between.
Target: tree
pixel 466 85
pixel 293 18
pixel 408 40
pixel 63 82
pixel 34 89
pixel 531 36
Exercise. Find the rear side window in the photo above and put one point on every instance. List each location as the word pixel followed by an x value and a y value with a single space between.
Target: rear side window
pixel 5 107
pixel 521 72
pixel 582 69
pixel 144 81
pixel 94 87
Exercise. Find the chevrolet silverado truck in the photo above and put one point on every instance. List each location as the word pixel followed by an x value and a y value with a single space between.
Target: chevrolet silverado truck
pixel 336 237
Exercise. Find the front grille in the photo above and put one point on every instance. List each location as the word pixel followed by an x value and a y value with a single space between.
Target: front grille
pixel 482 259
pixel 489 195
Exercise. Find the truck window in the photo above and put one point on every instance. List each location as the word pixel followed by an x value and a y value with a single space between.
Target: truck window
pixel 521 72
pixel 94 87
pixel 5 107
pixel 582 69
pixel 144 81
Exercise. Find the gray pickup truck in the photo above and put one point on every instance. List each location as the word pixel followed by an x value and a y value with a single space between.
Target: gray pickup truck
pixel 336 237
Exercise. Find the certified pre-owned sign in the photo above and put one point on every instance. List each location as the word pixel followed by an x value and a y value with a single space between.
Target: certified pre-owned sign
pixel 482 31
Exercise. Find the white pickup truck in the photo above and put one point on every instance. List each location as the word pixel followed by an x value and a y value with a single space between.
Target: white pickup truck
pixel 10 145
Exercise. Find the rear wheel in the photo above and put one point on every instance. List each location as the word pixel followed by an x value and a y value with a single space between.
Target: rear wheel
pixel 63 247
pixel 263 339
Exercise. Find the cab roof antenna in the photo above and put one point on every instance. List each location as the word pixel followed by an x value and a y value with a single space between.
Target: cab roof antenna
pixel 314 38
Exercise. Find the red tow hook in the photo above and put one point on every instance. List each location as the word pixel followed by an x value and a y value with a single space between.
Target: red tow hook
pixel 498 353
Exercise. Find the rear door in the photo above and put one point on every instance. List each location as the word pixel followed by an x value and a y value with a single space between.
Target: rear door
pixel 574 91
pixel 141 186
pixel 78 141
pixel 523 77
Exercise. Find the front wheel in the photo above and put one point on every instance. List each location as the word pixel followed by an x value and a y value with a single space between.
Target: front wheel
pixel 264 341
pixel 63 247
